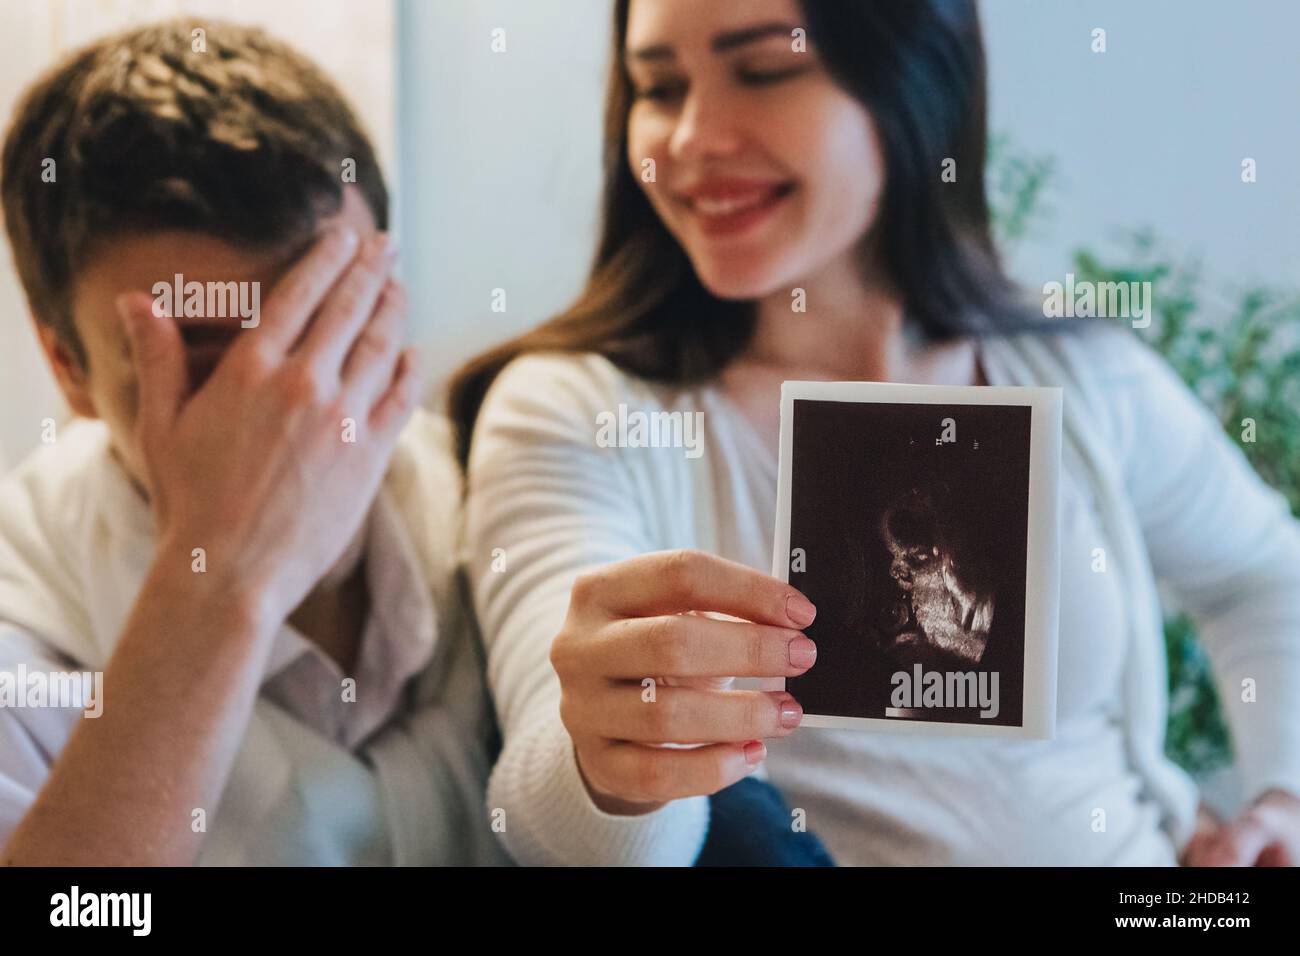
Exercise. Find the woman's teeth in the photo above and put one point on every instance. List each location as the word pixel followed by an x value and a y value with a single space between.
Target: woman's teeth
pixel 727 207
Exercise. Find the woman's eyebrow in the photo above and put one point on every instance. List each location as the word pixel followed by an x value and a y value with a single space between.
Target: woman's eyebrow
pixel 735 38
pixel 721 43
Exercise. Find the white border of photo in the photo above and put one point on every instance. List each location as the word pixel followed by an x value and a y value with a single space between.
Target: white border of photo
pixel 1042 556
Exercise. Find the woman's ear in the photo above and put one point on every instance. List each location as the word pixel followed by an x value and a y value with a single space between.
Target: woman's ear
pixel 72 377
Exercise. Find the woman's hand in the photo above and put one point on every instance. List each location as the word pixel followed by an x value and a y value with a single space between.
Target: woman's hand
pixel 254 467
pixel 637 671
pixel 1267 833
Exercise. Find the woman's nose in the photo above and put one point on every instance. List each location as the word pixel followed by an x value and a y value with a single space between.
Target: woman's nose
pixel 705 128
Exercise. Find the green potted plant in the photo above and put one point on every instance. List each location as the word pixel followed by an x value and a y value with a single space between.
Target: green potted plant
pixel 1238 350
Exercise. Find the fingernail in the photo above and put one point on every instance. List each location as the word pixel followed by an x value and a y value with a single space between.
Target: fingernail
pixel 791 713
pixel 755 751
pixel 803 652
pixel 799 610
pixel 347 235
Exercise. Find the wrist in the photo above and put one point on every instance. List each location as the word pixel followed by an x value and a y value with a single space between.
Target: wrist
pixel 182 578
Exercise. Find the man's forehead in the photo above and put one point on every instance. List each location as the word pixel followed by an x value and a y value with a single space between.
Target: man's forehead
pixel 138 260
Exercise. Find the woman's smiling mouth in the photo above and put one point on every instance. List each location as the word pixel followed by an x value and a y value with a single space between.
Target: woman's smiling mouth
pixel 732 206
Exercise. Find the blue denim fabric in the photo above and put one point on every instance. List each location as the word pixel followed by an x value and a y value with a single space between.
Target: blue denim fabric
pixel 749 825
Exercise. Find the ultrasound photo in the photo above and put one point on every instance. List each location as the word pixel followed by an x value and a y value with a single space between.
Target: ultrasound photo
pixel 921 521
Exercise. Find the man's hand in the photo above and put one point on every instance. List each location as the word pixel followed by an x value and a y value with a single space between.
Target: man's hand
pixel 1267 833
pixel 253 468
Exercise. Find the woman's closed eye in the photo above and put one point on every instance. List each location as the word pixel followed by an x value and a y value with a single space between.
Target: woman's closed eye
pixel 770 77
pixel 746 75
pixel 660 92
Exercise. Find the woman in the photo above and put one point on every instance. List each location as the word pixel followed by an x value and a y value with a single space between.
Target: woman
pixel 763 154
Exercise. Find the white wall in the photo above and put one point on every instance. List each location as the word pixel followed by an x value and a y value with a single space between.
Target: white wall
pixel 354 41
pixel 1153 131
pixel 500 162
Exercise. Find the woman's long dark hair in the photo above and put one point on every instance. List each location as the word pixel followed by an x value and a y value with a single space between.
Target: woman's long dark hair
pixel 918 67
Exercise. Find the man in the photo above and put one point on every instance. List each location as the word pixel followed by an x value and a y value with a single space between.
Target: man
pixel 249 528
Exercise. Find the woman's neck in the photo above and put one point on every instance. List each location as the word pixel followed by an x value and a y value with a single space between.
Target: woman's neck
pixel 851 329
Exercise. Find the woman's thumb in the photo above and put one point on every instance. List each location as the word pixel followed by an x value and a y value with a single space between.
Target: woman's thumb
pixel 159 358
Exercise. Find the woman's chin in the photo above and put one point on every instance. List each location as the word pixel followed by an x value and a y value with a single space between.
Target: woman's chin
pixel 738 280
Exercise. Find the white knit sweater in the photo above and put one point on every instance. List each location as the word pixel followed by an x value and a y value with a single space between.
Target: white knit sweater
pixel 1158 485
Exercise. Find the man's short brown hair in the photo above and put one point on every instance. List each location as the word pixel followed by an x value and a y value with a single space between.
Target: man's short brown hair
pixel 228 132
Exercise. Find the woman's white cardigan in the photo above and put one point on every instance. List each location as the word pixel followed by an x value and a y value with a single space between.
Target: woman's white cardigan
pixel 546 503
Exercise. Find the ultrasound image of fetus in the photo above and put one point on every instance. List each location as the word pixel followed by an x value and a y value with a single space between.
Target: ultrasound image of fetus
pixel 938 614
